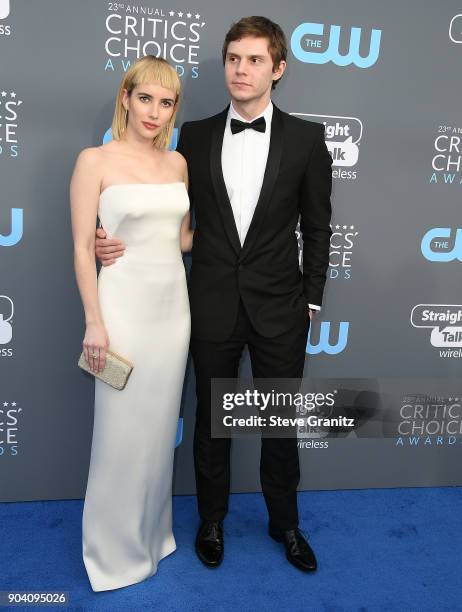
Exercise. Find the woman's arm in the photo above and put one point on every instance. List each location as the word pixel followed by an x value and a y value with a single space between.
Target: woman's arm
pixel 186 233
pixel 84 192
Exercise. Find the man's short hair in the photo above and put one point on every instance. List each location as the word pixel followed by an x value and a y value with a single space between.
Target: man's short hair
pixel 259 27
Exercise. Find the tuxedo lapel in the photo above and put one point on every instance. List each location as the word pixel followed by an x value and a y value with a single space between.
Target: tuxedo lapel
pixel 218 181
pixel 269 179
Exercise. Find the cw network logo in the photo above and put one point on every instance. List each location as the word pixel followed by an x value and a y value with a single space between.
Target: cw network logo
pixel 308 40
pixel 15 234
pixel 437 246
pixel 324 344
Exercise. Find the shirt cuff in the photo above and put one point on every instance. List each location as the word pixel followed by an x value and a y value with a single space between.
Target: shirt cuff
pixel 314 307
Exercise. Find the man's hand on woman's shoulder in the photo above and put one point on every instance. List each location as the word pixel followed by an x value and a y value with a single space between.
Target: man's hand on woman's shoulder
pixel 107 250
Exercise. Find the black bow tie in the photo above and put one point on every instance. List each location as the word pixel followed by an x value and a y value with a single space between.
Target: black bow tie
pixel 238 126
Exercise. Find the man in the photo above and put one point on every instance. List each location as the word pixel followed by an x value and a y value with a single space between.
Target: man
pixel 254 171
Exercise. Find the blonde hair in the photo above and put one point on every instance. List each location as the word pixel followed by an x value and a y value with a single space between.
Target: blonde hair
pixel 147 70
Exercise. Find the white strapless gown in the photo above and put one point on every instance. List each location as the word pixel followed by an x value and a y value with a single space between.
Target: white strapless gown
pixel 127 516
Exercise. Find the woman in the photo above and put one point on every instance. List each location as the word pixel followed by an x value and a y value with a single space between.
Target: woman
pixel 139 308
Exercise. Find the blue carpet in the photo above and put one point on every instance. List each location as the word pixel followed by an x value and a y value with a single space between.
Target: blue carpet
pixel 380 549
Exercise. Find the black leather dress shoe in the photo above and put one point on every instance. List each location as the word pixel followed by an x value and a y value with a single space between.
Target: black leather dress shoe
pixel 209 543
pixel 298 551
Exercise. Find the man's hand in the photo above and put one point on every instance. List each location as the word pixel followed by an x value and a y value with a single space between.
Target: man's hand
pixel 107 250
pixel 312 312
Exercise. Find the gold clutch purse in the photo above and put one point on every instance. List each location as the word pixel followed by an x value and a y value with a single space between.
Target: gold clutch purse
pixel 116 370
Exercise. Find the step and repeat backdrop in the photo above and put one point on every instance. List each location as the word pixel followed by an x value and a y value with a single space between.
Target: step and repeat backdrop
pixel 386 348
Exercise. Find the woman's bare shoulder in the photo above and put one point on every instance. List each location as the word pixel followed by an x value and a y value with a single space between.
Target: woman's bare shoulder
pixel 98 156
pixel 176 159
pixel 90 155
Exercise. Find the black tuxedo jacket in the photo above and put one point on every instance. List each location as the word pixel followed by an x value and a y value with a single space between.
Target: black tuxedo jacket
pixel 265 272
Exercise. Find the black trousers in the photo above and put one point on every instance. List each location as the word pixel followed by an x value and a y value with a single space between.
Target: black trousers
pixel 279 357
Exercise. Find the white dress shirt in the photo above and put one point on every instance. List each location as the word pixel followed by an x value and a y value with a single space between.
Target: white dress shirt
pixel 243 160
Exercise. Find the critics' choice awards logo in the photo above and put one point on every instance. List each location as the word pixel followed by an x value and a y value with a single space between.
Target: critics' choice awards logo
pixel 332 338
pixel 313 44
pixel 447 156
pixel 14 234
pixel 442 244
pixel 455 29
pixel 428 420
pixel 445 322
pixel 133 31
pixel 6 325
pixel 343 136
pixel 10 108
pixel 5 29
pixel 10 421
pixel 342 243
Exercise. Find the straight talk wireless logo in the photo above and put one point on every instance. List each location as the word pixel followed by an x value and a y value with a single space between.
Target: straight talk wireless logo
pixel 445 322
pixel 455 29
pixel 5 28
pixel 343 136
pixel 6 325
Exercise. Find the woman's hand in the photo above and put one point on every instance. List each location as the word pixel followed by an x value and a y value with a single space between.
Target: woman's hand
pixel 95 345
